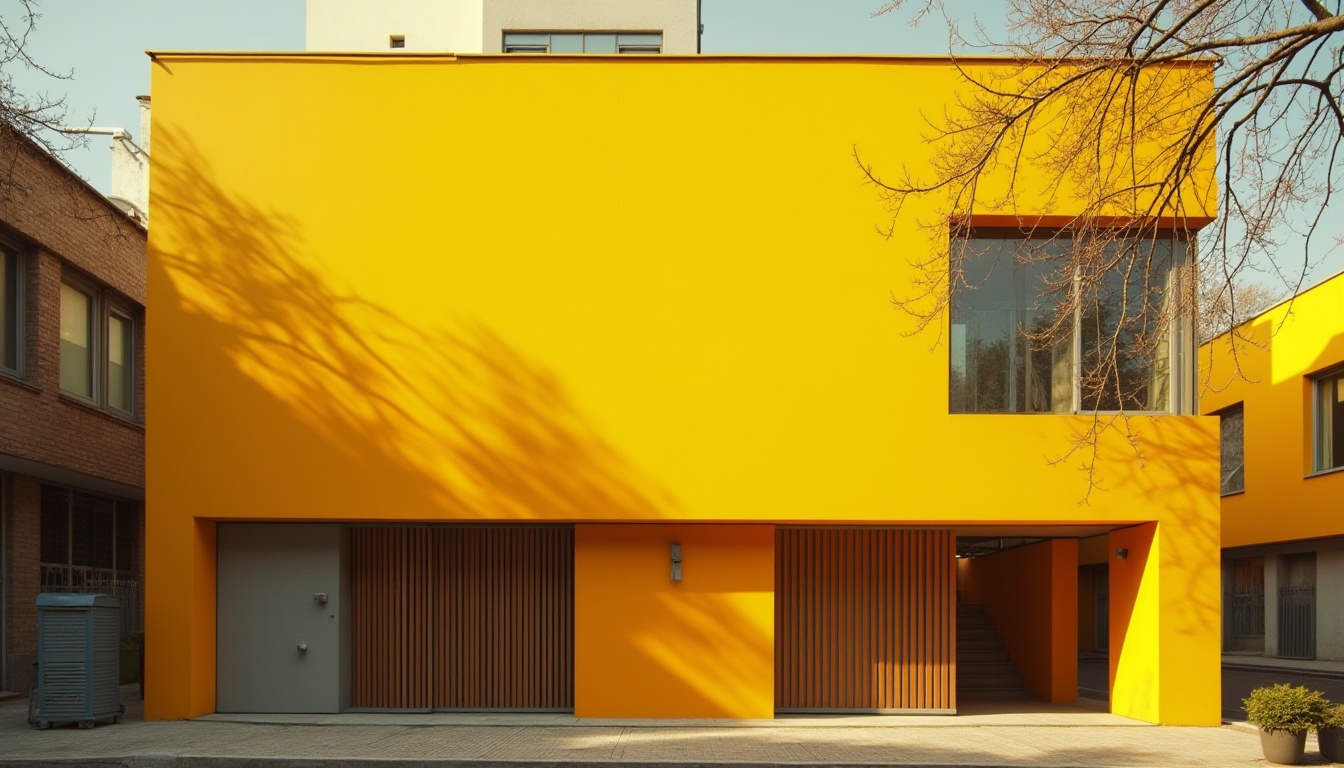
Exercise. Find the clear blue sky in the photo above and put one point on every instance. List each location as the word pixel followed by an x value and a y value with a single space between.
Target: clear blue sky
pixel 102 44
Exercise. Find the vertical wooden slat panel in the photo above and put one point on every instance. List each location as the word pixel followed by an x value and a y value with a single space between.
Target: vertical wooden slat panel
pixel 864 619
pixel 463 617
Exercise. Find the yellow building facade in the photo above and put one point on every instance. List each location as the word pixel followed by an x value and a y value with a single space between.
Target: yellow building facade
pixel 481 382
pixel 1275 384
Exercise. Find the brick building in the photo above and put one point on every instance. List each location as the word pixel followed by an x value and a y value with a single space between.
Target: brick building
pixel 72 438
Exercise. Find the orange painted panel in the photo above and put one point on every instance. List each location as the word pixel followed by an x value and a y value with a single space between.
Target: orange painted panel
pixel 647 646
pixel 1031 594
pixel 865 619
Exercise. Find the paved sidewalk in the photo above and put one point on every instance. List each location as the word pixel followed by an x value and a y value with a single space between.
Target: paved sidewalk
pixel 985 735
pixel 1330 669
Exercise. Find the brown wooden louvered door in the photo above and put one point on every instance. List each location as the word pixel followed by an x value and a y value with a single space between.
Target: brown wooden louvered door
pixel 463 617
pixel 865 620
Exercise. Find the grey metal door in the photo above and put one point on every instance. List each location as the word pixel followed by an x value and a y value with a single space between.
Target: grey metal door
pixel 280 619
pixel 1297 608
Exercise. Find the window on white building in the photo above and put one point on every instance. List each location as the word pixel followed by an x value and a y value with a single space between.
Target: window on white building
pixel 583 42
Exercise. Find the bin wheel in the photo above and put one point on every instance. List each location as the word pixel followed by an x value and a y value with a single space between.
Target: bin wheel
pixel 43 725
pixel 116 719
pixel 85 725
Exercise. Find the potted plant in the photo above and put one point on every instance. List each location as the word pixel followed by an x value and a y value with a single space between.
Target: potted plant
pixel 1330 734
pixel 1284 714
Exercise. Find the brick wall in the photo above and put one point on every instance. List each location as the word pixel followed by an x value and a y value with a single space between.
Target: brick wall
pixel 60 226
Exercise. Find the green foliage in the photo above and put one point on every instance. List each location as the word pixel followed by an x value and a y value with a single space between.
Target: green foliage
pixel 131 642
pixel 1334 717
pixel 1283 707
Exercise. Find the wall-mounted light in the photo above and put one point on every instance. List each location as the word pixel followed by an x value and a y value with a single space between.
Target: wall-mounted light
pixel 1122 554
pixel 676 561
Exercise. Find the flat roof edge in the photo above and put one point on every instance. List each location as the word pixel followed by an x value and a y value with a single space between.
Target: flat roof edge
pixel 449 55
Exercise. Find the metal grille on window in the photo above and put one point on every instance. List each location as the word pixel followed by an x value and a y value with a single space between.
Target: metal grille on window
pixel 90 544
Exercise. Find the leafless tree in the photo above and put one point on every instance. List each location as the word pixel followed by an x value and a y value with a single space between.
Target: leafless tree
pixel 39 116
pixel 1109 102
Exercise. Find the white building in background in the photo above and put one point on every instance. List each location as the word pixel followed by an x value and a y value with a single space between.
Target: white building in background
pixel 505 26
pixel 130 165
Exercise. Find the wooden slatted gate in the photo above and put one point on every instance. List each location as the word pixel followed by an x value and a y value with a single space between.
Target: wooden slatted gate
pixel 463 617
pixel 865 620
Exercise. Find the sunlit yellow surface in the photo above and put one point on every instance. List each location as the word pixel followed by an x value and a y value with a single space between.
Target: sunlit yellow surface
pixel 589 290
pixel 1266 365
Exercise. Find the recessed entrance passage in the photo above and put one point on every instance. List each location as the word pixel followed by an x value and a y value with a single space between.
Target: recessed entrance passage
pixel 463 617
pixel 865 620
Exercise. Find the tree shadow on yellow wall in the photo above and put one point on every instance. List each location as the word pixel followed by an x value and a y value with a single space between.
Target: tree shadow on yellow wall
pixel 287 394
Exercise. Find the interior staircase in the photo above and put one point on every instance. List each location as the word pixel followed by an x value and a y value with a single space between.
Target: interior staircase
pixel 984 671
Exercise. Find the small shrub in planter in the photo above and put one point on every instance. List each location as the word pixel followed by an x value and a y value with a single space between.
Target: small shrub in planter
pixel 1284 714
pixel 1330 734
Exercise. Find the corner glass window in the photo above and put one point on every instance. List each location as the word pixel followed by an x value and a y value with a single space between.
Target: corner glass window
pixel 1029 335
pixel 1330 421
pixel 1232 452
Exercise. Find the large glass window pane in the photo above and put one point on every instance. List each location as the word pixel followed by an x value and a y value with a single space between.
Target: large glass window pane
pixel 599 44
pixel 120 354
pixel 1330 422
pixel 9 310
pixel 1233 451
pixel 1002 315
pixel 566 43
pixel 76 333
pixel 1126 329
pixel 92 531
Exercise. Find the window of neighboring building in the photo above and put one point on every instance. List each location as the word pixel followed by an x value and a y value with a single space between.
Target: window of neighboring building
pixel 11 315
pixel 76 341
pixel 1009 300
pixel 1233 451
pixel 90 543
pixel 1330 420
pixel 583 42
pixel 98 343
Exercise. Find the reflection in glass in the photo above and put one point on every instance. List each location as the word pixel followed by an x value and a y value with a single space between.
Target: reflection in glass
pixel 76 355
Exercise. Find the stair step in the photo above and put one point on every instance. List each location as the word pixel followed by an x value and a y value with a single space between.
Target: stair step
pixel 993 694
pixel 992 644
pixel 980 655
pixel 976 633
pixel 988 681
pixel 976 668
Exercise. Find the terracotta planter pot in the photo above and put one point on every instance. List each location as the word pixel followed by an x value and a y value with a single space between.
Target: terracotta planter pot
pixel 1331 740
pixel 1283 747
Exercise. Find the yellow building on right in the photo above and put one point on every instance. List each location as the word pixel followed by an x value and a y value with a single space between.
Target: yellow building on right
pixel 1277 383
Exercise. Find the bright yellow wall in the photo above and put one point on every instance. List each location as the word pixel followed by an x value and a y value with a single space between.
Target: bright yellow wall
pixel 593 290
pixel 645 646
pixel 1031 594
pixel 1266 366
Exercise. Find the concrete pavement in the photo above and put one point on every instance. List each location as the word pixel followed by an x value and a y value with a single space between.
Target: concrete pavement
pixel 983 735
